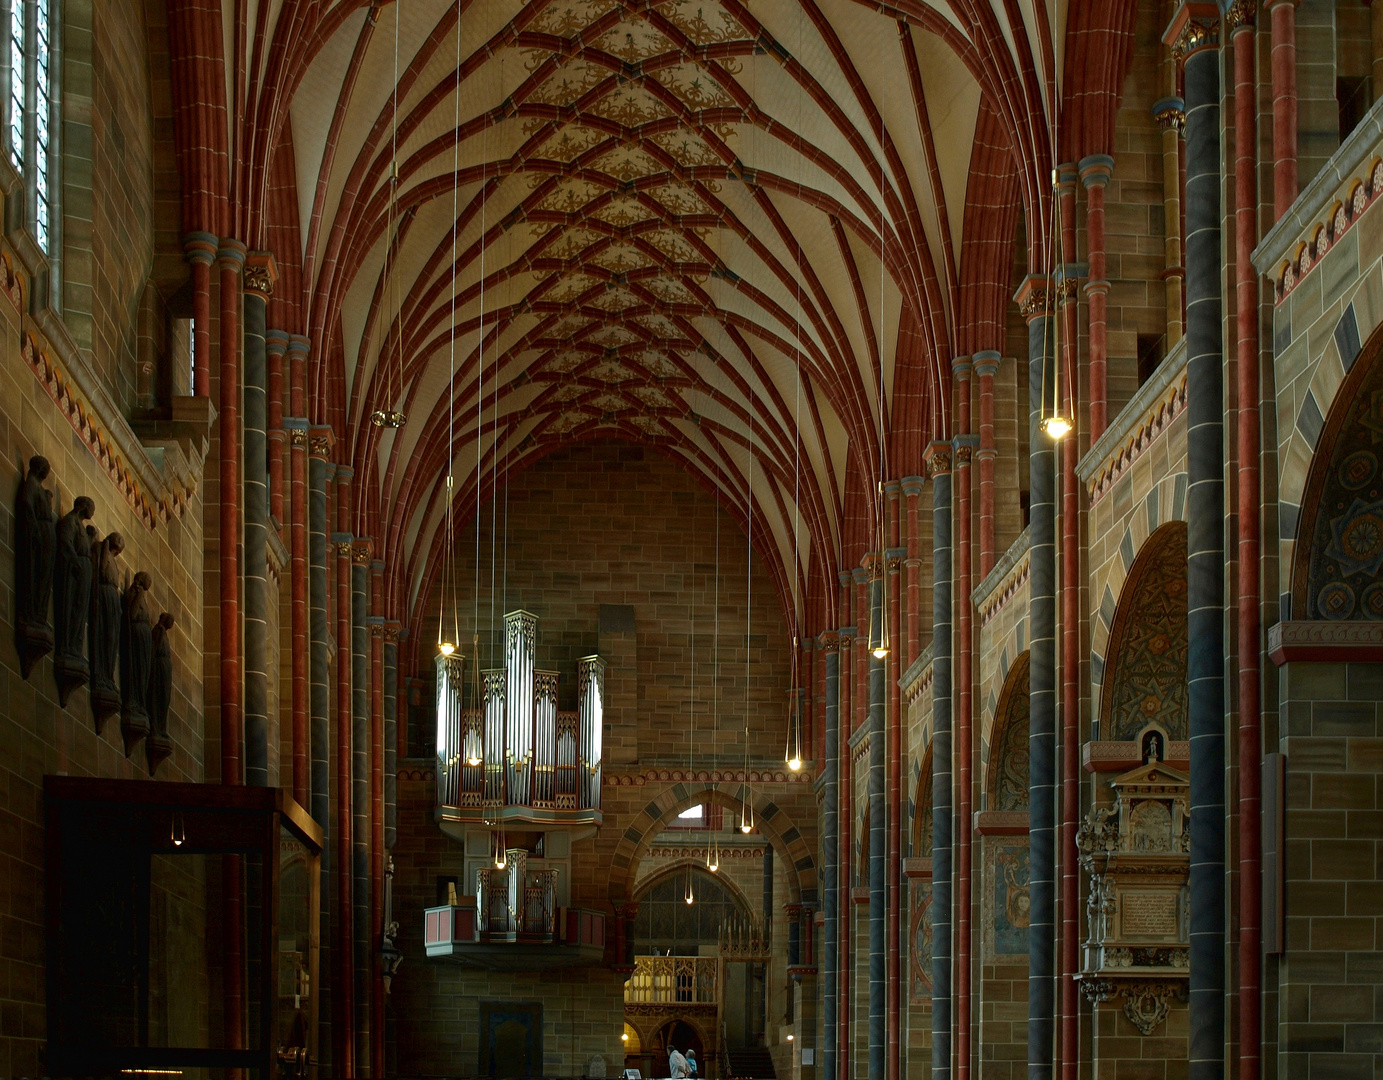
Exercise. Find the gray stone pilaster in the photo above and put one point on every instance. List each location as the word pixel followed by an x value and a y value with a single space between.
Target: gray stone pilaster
pixel 255 463
pixel 318 668
pixel 1035 301
pixel 1205 525
pixel 359 659
pixel 830 843
pixel 391 732
pixel 939 468
pixel 878 836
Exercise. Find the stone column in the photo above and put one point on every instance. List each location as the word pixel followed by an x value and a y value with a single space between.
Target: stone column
pixel 201 250
pixel 1284 29
pixel 260 274
pixel 344 988
pixel 938 459
pixel 963 448
pixel 358 660
pixel 893 779
pixel 986 367
pixel 376 729
pixel 878 836
pixel 846 818
pixel 1194 37
pixel 830 852
pixel 1170 115
pixel 275 347
pixel 912 491
pixel 1239 23
pixel 1094 174
pixel 391 731
pixel 1376 34
pixel 231 258
pixel 1034 302
pixel 320 442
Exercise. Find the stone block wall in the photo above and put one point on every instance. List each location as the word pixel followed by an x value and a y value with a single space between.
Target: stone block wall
pixel 617 525
pixel 1330 1020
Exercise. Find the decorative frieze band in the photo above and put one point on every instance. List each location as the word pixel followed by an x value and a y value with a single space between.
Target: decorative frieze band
pixel 707 776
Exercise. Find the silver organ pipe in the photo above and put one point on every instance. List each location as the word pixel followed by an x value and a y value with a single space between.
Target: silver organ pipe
pixel 590 688
pixel 544 738
pixel 450 720
pixel 520 634
pixel 512 749
pixel 494 682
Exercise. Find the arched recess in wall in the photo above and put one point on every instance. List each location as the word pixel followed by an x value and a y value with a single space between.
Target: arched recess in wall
pixel 1003 825
pixel 770 820
pixel 920 901
pixel 1339 546
pixel 665 920
pixel 1146 685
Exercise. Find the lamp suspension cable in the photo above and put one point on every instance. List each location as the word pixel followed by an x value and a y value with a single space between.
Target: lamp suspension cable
pixel 747 791
pixel 713 835
pixel 392 417
pixel 1055 424
pixel 792 751
pixel 878 636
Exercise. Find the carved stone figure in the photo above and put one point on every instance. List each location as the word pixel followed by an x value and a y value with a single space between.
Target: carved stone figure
pixel 105 627
pixel 35 550
pixel 72 597
pixel 158 745
pixel 136 660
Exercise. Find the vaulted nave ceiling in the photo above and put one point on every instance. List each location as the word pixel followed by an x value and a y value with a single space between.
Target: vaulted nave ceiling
pixel 667 219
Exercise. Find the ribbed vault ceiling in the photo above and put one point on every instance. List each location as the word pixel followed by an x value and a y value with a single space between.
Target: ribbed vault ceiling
pixel 698 225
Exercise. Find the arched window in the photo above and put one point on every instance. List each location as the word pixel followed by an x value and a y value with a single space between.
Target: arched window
pixel 31 122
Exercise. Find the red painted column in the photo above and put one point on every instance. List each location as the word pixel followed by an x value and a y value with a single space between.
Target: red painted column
pixel 201 252
pixel 376 815
pixel 275 345
pixel 297 553
pixel 986 367
pixel 1068 452
pixel 343 996
pixel 1239 22
pixel 893 785
pixel 912 490
pixel 230 261
pixel 845 948
pixel 1284 26
pixel 964 727
pixel 1094 173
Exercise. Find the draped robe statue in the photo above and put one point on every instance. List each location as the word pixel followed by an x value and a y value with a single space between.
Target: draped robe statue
pixel 35 552
pixel 105 627
pixel 72 597
pixel 158 745
pixel 136 660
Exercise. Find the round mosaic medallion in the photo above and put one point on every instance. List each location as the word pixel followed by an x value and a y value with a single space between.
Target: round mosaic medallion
pixel 1335 601
pixel 1371 603
pixel 1358 469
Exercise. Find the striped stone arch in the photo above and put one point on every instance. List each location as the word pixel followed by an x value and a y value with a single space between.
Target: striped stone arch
pixel 770 819
pixel 1166 502
pixel 1008 728
pixel 1015 650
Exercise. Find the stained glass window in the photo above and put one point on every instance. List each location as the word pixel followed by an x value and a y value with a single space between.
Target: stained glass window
pixel 31 104
pixel 43 109
pixel 17 71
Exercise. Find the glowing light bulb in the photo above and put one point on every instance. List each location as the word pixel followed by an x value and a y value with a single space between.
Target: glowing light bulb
pixel 690 898
pixel 472 761
pixel 446 648
pixel 624 1037
pixel 745 827
pixel 880 651
pixel 795 763
pixel 1056 427
pixel 713 867
pixel 499 864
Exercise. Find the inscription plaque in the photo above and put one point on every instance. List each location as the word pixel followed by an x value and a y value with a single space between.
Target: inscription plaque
pixel 1148 914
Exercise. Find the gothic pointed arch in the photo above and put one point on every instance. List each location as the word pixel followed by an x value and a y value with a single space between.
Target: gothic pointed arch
pixel 1006 778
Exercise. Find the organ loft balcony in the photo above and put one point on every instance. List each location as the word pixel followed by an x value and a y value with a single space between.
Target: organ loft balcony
pixel 517 782
pixel 509 760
